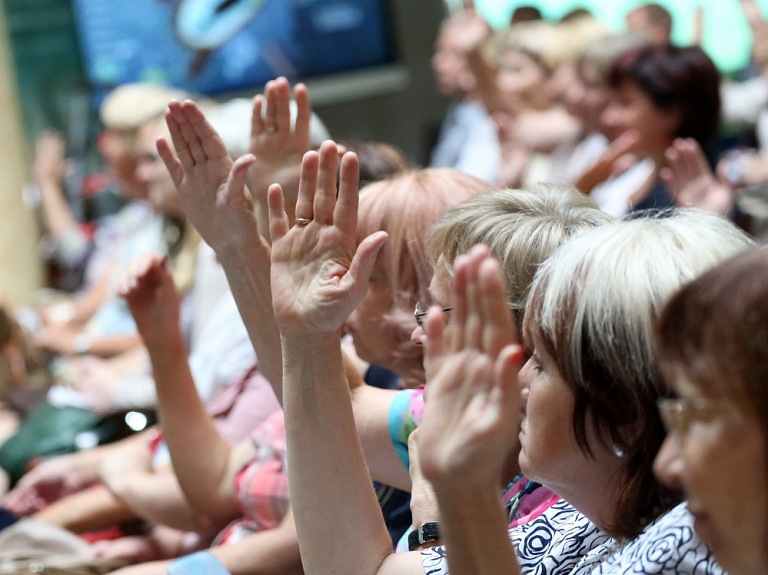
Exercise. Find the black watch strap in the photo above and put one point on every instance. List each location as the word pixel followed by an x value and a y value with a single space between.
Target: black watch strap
pixel 425 533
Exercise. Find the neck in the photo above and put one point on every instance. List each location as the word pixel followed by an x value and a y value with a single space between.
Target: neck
pixel 596 493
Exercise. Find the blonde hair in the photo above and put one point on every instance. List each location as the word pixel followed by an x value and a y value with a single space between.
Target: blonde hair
pixel 405 206
pixel 592 308
pixel 521 227
pixel 604 52
pixel 575 36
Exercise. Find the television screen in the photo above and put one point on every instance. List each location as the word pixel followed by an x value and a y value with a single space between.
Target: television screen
pixel 214 46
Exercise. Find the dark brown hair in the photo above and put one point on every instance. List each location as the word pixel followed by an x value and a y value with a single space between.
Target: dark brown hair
pixel 674 78
pixel 715 332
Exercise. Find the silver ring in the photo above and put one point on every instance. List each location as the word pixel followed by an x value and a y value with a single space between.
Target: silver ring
pixel 302 221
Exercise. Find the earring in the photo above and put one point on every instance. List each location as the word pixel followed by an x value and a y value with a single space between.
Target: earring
pixel 618 450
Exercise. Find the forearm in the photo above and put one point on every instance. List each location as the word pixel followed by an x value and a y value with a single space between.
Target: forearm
pixel 90 510
pixel 112 346
pixel 269 552
pixel 56 213
pixel 474 530
pixel 328 474
pixel 189 432
pixel 157 497
pixel 248 271
pixel 492 97
pixel 371 411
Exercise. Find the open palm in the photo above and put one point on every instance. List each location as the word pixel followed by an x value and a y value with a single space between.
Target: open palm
pixel 319 273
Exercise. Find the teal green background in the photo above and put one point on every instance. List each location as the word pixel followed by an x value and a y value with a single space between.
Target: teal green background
pixel 727 37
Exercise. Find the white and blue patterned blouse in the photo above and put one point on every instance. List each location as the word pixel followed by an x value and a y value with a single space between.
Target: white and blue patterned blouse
pixel 564 542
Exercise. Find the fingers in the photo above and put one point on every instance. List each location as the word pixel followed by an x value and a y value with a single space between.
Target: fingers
pixel 345 209
pixel 307 186
pixel 271 94
pixel 459 313
pixel 435 344
pixel 143 272
pixel 303 112
pixel 325 195
pixel 205 136
pixel 183 114
pixel 173 165
pixel 624 144
pixel 474 321
pixel 752 13
pixel 506 370
pixel 498 326
pixel 238 175
pixel 365 257
pixel 179 142
pixel 282 104
pixel 257 118
pixel 278 219
pixel 466 319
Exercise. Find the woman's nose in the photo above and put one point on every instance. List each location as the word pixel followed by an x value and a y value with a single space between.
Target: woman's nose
pixel 669 463
pixel 418 337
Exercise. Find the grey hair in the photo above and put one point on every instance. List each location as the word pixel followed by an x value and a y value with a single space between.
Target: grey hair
pixel 522 228
pixel 592 308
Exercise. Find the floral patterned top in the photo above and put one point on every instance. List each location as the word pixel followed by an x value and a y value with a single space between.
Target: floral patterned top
pixel 564 542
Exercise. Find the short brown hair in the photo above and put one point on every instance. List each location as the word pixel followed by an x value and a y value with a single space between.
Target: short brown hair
pixel 715 332
pixel 593 306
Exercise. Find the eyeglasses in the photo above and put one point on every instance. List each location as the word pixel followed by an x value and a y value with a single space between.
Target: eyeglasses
pixel 677 415
pixel 421 312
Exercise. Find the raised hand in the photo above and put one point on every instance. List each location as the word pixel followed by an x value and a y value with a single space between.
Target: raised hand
pixel 690 181
pixel 50 164
pixel 319 273
pixel 211 186
pixel 471 30
pixel 278 147
pixel 153 299
pixel 759 28
pixel 618 157
pixel 473 413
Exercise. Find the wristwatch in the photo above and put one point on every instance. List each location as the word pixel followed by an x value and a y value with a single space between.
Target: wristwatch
pixel 425 533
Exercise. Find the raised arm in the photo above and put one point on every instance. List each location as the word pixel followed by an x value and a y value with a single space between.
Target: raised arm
pixel 319 275
pixel 204 462
pixel 472 417
pixel 50 169
pixel 212 189
pixel 278 145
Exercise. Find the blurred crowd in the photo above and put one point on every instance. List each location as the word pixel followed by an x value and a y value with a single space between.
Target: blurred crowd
pixel 546 352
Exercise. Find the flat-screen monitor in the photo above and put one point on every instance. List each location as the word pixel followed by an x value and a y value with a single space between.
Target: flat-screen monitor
pixel 218 46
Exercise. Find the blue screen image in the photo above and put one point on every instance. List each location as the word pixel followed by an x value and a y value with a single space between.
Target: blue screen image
pixel 214 46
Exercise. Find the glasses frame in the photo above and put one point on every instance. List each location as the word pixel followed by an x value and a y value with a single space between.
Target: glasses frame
pixel 421 310
pixel 677 414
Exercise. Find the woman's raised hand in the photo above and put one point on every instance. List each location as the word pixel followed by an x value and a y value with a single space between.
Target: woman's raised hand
pixel 278 147
pixel 153 299
pixel 319 273
pixel 211 186
pixel 473 412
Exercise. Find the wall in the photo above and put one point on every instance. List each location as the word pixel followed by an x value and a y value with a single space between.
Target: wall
pixel 410 116
pixel 20 269
pixel 406 113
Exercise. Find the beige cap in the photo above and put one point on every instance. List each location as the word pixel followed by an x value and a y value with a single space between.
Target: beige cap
pixel 130 105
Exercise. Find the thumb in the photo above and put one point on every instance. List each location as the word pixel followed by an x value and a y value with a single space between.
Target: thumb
pixel 238 174
pixel 362 263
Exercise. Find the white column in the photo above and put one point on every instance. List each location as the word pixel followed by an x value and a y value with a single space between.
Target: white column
pixel 21 270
